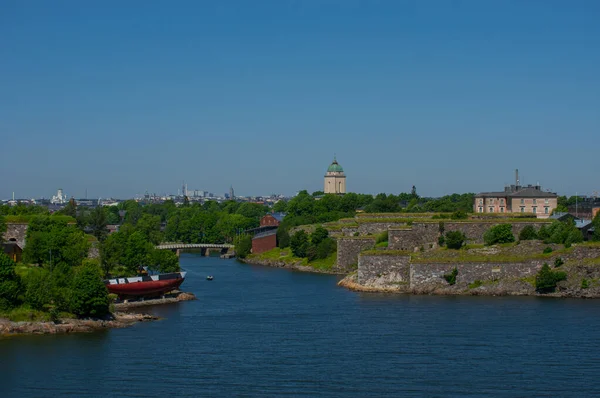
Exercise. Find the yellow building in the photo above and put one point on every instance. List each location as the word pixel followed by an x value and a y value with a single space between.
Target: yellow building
pixel 335 179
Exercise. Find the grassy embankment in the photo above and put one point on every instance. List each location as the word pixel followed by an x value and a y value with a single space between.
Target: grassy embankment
pixel 25 219
pixel 286 256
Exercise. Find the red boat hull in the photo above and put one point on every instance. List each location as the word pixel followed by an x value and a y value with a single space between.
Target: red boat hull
pixel 146 288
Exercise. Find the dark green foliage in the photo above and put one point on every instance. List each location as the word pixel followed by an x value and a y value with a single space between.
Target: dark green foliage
pixel 501 233
pixel 547 250
pixel 455 239
pixel 459 215
pixel 528 233
pixel 10 284
pixel 318 235
pixel 2 228
pixel 164 261
pixel 326 247
pixel 585 283
pixel 441 240
pixel 382 237
pixel 596 225
pixel 451 277
pixel 546 279
pixel 299 244
pixel 89 297
pixel 51 241
pixel 560 233
pixel 558 261
pixel 283 238
pixel 97 222
pixel 442 227
pixel 243 246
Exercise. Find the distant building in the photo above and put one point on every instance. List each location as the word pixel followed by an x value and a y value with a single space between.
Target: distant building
pixel 273 219
pixel 231 193
pixel 13 250
pixel 335 179
pixel 59 198
pixel 517 199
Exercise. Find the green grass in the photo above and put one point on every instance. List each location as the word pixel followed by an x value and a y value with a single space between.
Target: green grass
pixel 287 257
pixel 382 244
pixel 406 220
pixel 25 314
pixel 475 284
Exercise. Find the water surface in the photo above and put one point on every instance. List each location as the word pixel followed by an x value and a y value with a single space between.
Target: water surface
pixel 259 331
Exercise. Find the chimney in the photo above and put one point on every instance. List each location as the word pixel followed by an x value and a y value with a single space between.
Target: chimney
pixel 517 177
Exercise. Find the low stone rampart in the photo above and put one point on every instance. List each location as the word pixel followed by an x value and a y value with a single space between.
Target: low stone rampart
pixel 348 249
pixel 16 232
pixel 422 234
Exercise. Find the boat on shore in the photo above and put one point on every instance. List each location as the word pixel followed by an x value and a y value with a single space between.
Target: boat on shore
pixel 145 285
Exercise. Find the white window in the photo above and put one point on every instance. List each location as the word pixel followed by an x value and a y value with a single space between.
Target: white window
pixel 480 209
pixel 502 210
pixel 480 201
pixel 546 210
pixel 546 201
pixel 491 209
pixel 491 201
pixel 501 201
pixel 535 202
pixel 534 208
pixel 522 209
pixel 522 201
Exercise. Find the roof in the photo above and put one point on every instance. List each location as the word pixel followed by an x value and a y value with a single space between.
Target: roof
pixel 582 223
pixel 9 247
pixel 279 216
pixel 265 234
pixel 335 167
pixel 526 192
pixel 561 215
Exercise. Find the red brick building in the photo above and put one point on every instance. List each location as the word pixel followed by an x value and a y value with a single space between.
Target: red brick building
pixel 272 220
pixel 264 241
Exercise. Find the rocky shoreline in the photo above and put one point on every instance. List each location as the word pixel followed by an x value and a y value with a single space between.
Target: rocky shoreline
pixel 502 288
pixel 119 319
pixel 297 266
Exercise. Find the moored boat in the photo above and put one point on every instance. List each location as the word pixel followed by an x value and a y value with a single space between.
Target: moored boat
pixel 146 285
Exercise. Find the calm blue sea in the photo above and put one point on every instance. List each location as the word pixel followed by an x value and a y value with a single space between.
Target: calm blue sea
pixel 258 331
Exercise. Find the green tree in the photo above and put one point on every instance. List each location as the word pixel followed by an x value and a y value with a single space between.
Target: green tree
pixel 283 238
pixel 70 209
pixel 280 206
pixel 97 221
pixel 10 284
pixel 546 279
pixel 164 261
pixel 149 225
pixel 243 246
pixel 2 228
pixel 318 235
pixel 501 233
pixel 89 297
pixel 528 233
pixel 455 239
pixel 299 243
pixel 596 225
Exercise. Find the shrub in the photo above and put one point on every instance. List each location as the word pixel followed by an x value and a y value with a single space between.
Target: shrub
pixel 441 240
pixel 89 295
pixel 299 244
pixel 455 239
pixel 561 233
pixel 546 279
pixel 451 277
pixel 459 215
pixel 382 237
pixel 585 283
pixel 243 246
pixel 558 261
pixel 283 238
pixel 528 233
pixel 10 284
pixel 318 235
pixel 501 233
pixel 547 250
pixel 356 234
pixel 326 247
pixel 441 227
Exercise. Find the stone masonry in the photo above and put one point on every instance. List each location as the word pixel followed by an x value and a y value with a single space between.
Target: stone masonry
pixel 349 248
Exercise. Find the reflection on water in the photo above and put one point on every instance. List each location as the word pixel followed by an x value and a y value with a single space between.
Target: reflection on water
pixel 257 331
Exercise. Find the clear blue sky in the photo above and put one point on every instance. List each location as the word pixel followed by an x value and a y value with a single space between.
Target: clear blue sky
pixel 120 97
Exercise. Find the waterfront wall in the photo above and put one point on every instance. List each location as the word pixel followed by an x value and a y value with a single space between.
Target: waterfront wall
pixel 396 272
pixel 348 249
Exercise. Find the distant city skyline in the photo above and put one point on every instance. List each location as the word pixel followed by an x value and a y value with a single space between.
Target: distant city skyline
pixel 449 97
